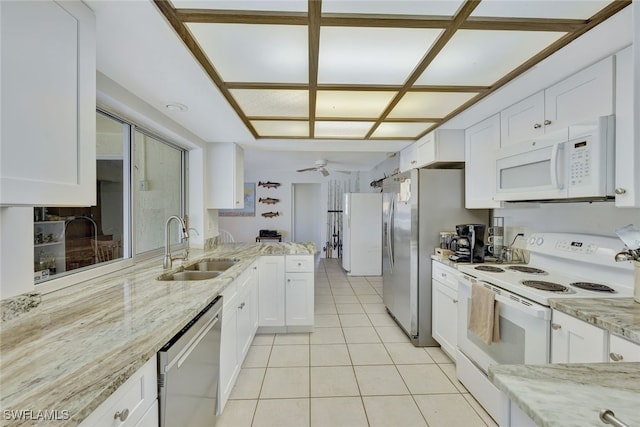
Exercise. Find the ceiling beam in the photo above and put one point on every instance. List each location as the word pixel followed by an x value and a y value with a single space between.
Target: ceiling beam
pixel 169 13
pixel 211 16
pixel 463 13
pixel 315 12
pixel 354 87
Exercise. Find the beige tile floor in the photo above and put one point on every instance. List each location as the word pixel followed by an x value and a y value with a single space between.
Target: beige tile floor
pixel 356 369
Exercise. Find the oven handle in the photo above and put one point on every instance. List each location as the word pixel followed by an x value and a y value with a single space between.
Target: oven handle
pixel 533 310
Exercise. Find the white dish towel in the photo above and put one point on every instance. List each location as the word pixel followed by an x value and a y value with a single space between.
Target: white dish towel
pixel 484 318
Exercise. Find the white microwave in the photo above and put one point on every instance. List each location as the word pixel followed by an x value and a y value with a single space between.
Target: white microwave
pixel 575 163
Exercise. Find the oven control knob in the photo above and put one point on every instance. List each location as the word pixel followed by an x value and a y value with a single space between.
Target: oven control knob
pixel 539 241
pixel 532 240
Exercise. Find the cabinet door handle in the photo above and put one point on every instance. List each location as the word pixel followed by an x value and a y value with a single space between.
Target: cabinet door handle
pixel 620 190
pixel 547 122
pixel 455 301
pixel 241 306
pixel 121 415
pixel 555 326
pixel 616 357
pixel 288 280
pixel 443 274
pixel 537 126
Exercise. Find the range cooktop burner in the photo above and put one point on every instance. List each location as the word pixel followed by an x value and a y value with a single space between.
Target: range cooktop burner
pixel 593 287
pixel 490 268
pixel 545 286
pixel 524 269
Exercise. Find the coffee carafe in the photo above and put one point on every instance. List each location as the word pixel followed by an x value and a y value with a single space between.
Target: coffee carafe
pixel 468 245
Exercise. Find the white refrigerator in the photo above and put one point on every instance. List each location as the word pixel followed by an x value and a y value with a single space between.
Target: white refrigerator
pixel 362 234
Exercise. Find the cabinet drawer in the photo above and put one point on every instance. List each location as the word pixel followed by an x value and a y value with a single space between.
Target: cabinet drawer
pixel 136 396
pixel 299 263
pixel 444 274
pixel 623 350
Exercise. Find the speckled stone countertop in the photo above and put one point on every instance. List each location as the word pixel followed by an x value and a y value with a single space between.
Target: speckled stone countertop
pixel 72 348
pixel 620 316
pixel 566 395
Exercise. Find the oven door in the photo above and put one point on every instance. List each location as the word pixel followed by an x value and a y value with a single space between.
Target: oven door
pixel 524 329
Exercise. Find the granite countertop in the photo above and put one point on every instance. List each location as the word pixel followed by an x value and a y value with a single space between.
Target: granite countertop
pixel 71 349
pixel 566 395
pixel 620 316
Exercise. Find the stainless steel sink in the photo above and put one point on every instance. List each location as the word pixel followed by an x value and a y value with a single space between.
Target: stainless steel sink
pixel 190 275
pixel 212 265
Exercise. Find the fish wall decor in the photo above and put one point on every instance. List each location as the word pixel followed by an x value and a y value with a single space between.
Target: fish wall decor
pixel 268 200
pixel 269 184
pixel 270 214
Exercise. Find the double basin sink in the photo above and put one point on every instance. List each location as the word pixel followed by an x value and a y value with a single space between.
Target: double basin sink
pixel 202 270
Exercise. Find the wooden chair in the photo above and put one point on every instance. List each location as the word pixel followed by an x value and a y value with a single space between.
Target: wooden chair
pixel 106 250
pixel 226 237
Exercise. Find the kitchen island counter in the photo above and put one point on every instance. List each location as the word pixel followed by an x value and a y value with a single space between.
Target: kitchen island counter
pixel 566 395
pixel 620 316
pixel 71 349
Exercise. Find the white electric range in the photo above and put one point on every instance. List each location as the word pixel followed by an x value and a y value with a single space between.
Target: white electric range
pixel 561 265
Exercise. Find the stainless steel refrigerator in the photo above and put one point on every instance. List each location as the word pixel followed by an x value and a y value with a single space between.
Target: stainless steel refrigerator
pixel 416 206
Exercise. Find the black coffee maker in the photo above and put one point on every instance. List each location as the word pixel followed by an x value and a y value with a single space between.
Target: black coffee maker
pixel 470 240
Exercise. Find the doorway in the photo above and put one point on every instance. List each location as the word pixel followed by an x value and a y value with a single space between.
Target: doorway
pixel 307 220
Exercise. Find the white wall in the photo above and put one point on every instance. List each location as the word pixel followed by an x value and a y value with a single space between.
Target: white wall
pixel 601 218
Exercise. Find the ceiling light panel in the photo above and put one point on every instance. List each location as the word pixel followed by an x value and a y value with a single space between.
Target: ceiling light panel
pixel 400 130
pixel 575 9
pixel 272 5
pixel 357 104
pixel 401 7
pixel 281 128
pixel 371 55
pixel 465 60
pixel 344 130
pixel 255 53
pixel 272 102
pixel 429 104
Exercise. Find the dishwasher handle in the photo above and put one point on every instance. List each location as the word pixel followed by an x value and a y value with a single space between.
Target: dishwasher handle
pixel 184 354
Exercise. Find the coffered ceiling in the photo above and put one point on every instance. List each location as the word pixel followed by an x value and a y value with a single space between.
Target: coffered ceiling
pixel 369 69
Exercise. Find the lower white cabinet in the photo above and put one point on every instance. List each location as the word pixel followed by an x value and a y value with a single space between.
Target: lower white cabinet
pixel 299 292
pixel 132 403
pixel 271 291
pixel 623 350
pixel 444 313
pixel 239 325
pixel 576 341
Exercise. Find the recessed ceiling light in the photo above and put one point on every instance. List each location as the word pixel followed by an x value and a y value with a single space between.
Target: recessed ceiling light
pixel 176 106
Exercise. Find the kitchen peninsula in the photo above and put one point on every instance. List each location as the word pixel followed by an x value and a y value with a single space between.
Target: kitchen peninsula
pixel 69 350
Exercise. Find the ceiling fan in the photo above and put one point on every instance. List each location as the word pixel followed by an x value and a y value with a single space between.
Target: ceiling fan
pixel 321 166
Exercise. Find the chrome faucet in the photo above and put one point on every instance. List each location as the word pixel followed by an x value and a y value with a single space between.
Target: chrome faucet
pixel 183 234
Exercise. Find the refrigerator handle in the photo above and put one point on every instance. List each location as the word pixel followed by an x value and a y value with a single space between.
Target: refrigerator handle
pixel 392 208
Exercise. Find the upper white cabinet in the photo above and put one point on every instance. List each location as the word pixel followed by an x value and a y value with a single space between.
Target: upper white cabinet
pixel 440 146
pixel 627 149
pixel 48 67
pixel 480 144
pixel 408 158
pixel 582 96
pixel 225 176
pixel 576 341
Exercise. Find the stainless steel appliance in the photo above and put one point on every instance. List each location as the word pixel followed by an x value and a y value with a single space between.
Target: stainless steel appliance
pixel 188 371
pixel 561 266
pixel 469 243
pixel 416 206
pixel 574 163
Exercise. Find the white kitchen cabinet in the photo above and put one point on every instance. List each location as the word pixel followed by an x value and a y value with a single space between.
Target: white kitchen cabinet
pixel 136 397
pixel 583 96
pixel 444 289
pixel 239 325
pixel 408 158
pixel 440 146
pixel 299 292
pixel 481 142
pixel 576 341
pixel 623 350
pixel 48 112
pixel 627 169
pixel 271 291
pixel 151 418
pixel 224 176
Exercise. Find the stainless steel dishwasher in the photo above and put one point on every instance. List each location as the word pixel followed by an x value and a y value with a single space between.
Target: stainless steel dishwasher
pixel 188 371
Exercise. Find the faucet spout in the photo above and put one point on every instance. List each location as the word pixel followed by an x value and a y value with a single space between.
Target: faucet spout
pixel 167 261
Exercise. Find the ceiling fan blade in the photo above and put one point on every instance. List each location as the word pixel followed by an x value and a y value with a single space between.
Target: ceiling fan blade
pixel 347 172
pixel 306 170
